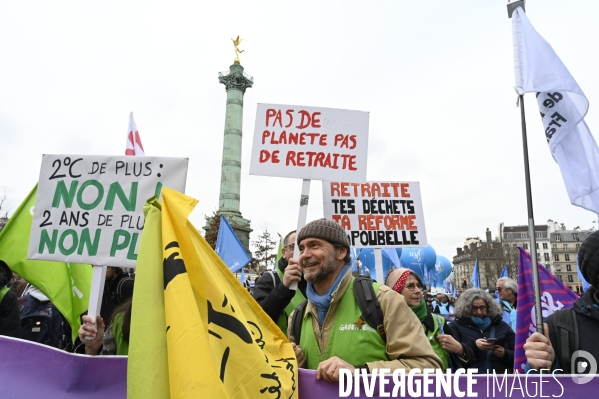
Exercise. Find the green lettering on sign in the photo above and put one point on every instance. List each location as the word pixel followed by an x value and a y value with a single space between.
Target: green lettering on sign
pixel 131 255
pixel 99 197
pixel 116 246
pixel 85 241
pixel 75 240
pixel 46 241
pixel 66 195
pixel 116 189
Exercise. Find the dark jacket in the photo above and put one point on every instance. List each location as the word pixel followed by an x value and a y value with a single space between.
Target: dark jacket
pixel 273 299
pixel 10 317
pixel 467 333
pixel 116 291
pixel 587 317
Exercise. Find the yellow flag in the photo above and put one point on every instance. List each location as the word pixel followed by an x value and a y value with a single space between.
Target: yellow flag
pixel 220 343
pixel 147 368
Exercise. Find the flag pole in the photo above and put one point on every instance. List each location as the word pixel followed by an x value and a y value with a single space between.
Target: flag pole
pixel 531 222
pixel 511 7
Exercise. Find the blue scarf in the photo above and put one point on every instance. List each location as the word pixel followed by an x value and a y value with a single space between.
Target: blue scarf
pixel 322 302
pixel 482 323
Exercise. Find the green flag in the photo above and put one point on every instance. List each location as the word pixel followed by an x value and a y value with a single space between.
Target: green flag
pixel 147 368
pixel 66 285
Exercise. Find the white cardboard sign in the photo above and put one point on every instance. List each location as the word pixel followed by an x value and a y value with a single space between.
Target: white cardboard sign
pixel 377 214
pixel 310 143
pixel 89 209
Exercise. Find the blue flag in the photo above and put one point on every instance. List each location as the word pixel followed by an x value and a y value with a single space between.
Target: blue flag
pixel 475 279
pixel 229 248
pixel 504 272
pixel 391 254
pixel 454 292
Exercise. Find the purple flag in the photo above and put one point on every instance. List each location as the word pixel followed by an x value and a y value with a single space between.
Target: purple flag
pixel 554 295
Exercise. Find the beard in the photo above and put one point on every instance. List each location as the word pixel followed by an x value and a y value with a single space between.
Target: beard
pixel 327 267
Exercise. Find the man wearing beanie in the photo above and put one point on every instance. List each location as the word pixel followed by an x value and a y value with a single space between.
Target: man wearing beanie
pixel 272 288
pixel 578 324
pixel 332 334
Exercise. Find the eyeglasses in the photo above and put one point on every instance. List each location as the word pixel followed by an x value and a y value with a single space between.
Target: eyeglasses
pixel 482 309
pixel 412 286
pixel 290 247
pixel 498 289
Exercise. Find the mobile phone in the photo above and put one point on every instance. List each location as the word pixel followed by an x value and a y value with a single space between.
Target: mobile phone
pixel 492 340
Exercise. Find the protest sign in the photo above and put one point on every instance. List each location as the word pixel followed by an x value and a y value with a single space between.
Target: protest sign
pixel 310 143
pixel 377 214
pixel 89 209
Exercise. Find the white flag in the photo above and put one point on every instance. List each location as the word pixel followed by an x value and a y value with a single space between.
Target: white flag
pixel 134 146
pixel 563 106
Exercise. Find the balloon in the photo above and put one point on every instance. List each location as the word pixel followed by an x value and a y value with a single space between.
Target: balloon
pixel 413 259
pixel 366 256
pixel 430 257
pixel 443 269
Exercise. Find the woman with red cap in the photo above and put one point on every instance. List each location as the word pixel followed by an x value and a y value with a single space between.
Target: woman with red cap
pixel 439 333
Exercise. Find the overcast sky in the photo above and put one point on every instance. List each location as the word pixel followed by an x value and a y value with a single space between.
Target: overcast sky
pixel 436 76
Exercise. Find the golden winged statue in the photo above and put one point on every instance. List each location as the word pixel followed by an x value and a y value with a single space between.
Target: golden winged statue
pixel 236 45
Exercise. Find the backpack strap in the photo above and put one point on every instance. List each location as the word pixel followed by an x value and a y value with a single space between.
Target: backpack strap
pixel 369 304
pixel 566 332
pixel 296 321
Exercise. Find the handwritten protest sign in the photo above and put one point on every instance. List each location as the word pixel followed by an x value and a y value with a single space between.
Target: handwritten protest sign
pixel 377 214
pixel 89 209
pixel 310 143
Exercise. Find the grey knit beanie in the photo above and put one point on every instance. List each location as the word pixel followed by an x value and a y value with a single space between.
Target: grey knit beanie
pixel 588 258
pixel 326 230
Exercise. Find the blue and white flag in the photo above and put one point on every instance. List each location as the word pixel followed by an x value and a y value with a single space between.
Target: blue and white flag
pixel 391 253
pixel 229 248
pixel 475 279
pixel 563 106
pixel 504 272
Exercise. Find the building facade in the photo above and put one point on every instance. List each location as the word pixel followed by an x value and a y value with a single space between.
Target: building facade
pixel 513 237
pixel 491 259
pixel 564 249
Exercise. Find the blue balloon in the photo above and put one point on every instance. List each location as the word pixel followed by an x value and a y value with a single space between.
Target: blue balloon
pixel 430 257
pixel 413 259
pixel 366 256
pixel 443 269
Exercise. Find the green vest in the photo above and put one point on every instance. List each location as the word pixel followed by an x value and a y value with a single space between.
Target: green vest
pixel 298 298
pixel 122 346
pixel 348 342
pixel 437 348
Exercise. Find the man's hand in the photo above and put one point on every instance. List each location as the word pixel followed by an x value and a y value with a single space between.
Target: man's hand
pixel 499 351
pixel 483 345
pixel 299 355
pixel 92 347
pixel 538 350
pixel 329 369
pixel 293 273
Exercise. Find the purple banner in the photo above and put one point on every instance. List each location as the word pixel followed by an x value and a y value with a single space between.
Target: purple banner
pixel 554 295
pixel 29 370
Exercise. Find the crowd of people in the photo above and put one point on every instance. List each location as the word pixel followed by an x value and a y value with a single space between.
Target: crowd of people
pixel 335 319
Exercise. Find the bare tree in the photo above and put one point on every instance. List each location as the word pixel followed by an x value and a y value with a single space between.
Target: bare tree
pixel 5 203
pixel 264 253
pixel 4 207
